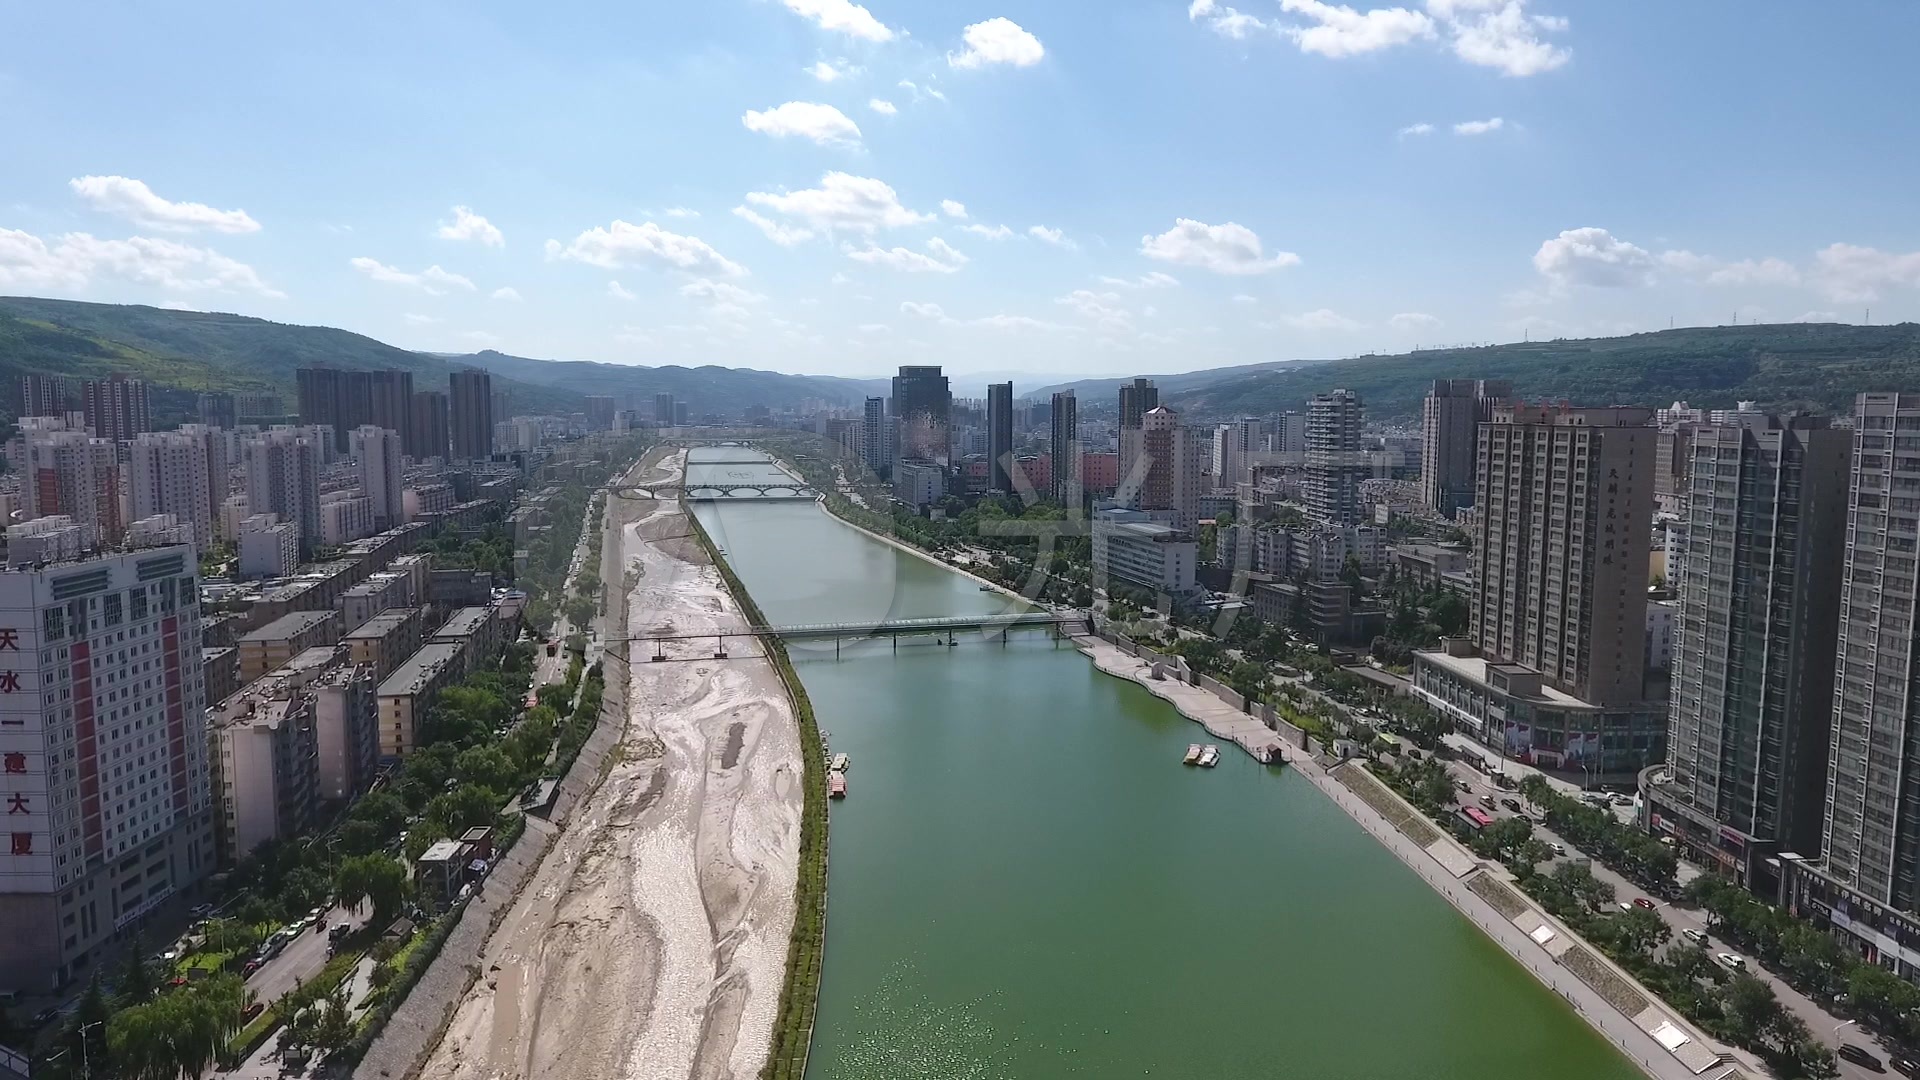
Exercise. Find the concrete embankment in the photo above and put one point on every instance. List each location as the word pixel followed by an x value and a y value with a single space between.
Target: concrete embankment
pixel 1634 1020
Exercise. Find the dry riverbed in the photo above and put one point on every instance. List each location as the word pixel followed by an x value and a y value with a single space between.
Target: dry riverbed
pixel 652 941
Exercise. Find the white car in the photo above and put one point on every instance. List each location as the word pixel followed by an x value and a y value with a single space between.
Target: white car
pixel 1698 937
pixel 1731 961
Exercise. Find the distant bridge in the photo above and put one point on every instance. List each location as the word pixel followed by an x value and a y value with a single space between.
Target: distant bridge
pixel 706 492
pixel 946 627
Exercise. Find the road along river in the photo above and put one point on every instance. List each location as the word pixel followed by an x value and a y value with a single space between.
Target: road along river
pixel 1026 882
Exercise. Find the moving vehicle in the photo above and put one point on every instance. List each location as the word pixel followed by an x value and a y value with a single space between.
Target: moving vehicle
pixel 1859 1056
pixel 1557 847
pixel 1729 960
pixel 1905 1066
pixel 1511 804
pixel 1698 937
pixel 1478 817
pixel 1643 902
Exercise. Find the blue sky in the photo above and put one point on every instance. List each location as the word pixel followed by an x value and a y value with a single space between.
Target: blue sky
pixel 1147 185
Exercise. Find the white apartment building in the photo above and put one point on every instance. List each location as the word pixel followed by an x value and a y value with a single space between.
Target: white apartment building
pixel 172 475
pixel 103 739
pixel 377 453
pixel 345 517
pixel 283 477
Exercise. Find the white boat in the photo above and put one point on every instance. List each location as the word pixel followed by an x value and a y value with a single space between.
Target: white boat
pixel 1210 756
pixel 840 763
pixel 1193 754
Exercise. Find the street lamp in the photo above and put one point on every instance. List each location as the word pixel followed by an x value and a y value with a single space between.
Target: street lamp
pixel 1842 1024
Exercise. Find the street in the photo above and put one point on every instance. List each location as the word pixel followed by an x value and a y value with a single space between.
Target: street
pixel 1831 1030
pixel 301 960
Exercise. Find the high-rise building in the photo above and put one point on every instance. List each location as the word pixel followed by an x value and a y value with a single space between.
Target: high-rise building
pixel 1234 445
pixel 663 409
pixel 682 412
pixel 600 410
pixel 1166 480
pixel 1450 437
pixel 429 437
pixel 377 453
pixel 470 420
pixel 922 401
pixel 283 477
pixel 222 451
pixel 106 755
pixel 1289 434
pixel 1336 457
pixel 1135 399
pixel 876 437
pixel 999 436
pixel 1758 597
pixel 43 395
pixel 502 407
pixel 257 407
pixel 216 410
pixel 117 407
pixel 171 475
pixel 1554 673
pixel 71 473
pixel 1064 449
pixel 345 400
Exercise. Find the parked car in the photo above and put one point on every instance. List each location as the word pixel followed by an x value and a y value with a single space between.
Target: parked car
pixel 1511 804
pixel 251 966
pixel 1643 902
pixel 1698 937
pixel 1557 847
pixel 254 1010
pixel 1729 960
pixel 1905 1066
pixel 1859 1056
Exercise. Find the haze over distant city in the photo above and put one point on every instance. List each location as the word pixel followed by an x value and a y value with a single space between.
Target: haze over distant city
pixel 1059 188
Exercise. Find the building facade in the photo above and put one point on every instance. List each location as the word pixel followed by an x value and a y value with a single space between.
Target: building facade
pixel 1336 457
pixel 378 454
pixel 1064 482
pixel 1450 422
pixel 922 404
pixel 1130 547
pixel 470 417
pixel 999 436
pixel 283 478
pixel 117 407
pixel 171 474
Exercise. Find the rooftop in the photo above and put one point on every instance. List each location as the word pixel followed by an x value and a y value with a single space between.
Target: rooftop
pixel 463 623
pixel 382 624
pixel 289 625
pixel 413 676
pixel 1478 667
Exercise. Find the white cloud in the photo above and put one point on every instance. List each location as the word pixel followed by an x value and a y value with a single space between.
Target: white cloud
pixel 1152 280
pixel 882 106
pixel 945 260
pixel 1318 319
pixel 1479 127
pixel 924 311
pixel 719 292
pixel 421 320
pixel 1052 236
pixel 843 203
pixel 134 200
pixel 784 235
pixel 1501 34
pixel 76 259
pixel 433 281
pixel 1712 271
pixel 467 225
pixel 1017 322
pixel 1335 30
pixel 875 328
pixel 1101 309
pixel 1416 129
pixel 1224 249
pixel 997 41
pixel 824 124
pixel 646 244
pixel 1244 299
pixel 1593 257
pixel 1413 320
pixel 840 278
pixel 920 92
pixel 1226 21
pixel 991 232
pixel 508 293
pixel 953 209
pixel 842 15
pixel 1853 274
pixel 620 292
pixel 681 212
pixel 833 70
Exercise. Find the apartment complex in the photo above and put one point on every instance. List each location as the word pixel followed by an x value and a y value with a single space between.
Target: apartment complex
pixel 1064 479
pixel 1336 457
pixel 999 436
pixel 471 414
pixel 1450 422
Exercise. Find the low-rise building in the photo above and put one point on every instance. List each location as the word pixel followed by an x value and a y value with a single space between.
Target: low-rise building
pixel 1129 546
pixel 220 668
pixel 378 593
pixel 1427 565
pixel 475 631
pixel 385 641
pixel 407 694
pixel 345 517
pixel 918 483
pixel 1329 613
pixel 281 640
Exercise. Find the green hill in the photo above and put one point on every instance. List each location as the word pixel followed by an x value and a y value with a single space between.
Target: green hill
pixel 1817 366
pixel 707 389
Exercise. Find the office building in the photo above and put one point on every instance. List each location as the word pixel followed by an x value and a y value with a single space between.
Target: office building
pixel 170 474
pixel 1132 548
pixel 1167 478
pixel 876 436
pixel 1064 483
pixel 682 413
pixel 44 395
pixel 663 412
pixel 999 436
pixel 377 453
pixel 470 418
pixel 429 437
pixel 1336 457
pixel 116 407
pixel 1554 673
pixel 103 731
pixel 1758 599
pixel 283 478
pixel 1450 438
pixel 1136 398
pixel 919 484
pixel 922 402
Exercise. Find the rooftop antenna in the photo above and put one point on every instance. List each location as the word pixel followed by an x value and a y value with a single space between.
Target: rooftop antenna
pixel 1869 316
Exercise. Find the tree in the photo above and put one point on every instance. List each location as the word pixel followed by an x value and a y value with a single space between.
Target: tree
pixel 1450 614
pixel 1639 932
pixel 137 980
pixel 231 936
pixel 377 878
pixel 488 767
pixel 463 807
pixel 1350 573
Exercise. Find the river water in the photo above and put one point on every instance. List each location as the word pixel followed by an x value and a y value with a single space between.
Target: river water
pixel 1025 881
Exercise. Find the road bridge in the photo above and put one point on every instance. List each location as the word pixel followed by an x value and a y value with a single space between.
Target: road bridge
pixel 946 628
pixel 707 492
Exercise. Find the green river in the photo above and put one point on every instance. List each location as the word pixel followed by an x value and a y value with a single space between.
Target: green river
pixel 1026 882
